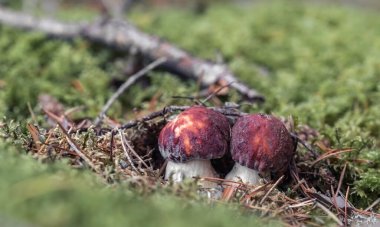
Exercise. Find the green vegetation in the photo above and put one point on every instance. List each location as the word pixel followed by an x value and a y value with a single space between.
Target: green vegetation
pixel 55 195
pixel 317 63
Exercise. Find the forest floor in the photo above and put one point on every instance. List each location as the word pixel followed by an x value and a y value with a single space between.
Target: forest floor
pixel 317 63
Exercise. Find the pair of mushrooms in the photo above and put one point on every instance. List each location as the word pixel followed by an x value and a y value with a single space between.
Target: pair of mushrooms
pixel 258 144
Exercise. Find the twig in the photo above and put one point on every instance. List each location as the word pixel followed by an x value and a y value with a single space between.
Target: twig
pixel 131 80
pixel 340 180
pixel 377 201
pixel 171 109
pixel 253 192
pixel 271 189
pixel 295 187
pixel 329 213
pixel 122 138
pixel 71 142
pixel 124 36
pixel 111 145
pixel 162 168
pixel 345 206
pixel 135 153
pixel 302 204
pixel 215 93
pixel 368 213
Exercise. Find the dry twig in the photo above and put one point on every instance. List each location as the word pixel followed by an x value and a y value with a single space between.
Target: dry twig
pixel 71 142
pixel 329 213
pixel 126 153
pixel 270 190
pixel 124 36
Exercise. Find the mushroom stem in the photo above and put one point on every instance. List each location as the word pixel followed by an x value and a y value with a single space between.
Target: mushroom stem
pixel 196 168
pixel 247 175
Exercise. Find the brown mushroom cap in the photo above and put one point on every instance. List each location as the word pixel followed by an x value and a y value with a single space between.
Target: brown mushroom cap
pixel 197 133
pixel 262 142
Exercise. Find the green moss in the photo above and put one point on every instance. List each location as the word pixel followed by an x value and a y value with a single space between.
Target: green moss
pixel 55 195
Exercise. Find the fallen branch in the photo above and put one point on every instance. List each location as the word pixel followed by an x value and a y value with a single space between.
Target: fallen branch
pixel 124 36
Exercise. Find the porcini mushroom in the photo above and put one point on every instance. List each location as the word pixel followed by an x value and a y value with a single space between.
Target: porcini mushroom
pixel 191 140
pixel 259 144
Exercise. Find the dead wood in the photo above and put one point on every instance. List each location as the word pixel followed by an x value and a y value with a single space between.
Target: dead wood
pixel 124 36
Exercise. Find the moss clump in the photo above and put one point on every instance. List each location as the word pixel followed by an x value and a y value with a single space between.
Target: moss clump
pixel 54 195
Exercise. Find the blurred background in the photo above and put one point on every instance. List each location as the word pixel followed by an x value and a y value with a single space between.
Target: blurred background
pixel 118 7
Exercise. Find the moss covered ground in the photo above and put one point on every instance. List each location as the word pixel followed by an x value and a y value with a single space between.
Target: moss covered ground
pixel 317 63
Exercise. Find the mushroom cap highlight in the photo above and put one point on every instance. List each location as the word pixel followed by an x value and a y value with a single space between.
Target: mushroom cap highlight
pixel 196 133
pixel 262 142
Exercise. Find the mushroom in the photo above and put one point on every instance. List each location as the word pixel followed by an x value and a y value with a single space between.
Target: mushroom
pixel 259 144
pixel 191 140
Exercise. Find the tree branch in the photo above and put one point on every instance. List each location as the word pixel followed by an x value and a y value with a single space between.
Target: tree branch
pixel 123 36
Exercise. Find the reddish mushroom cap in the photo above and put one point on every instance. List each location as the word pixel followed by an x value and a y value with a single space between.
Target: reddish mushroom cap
pixel 197 133
pixel 262 142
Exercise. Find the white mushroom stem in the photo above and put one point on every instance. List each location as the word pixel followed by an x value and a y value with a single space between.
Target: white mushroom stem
pixel 245 174
pixel 196 168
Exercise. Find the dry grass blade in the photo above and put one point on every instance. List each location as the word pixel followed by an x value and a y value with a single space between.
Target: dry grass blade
pixel 45 143
pixel 271 189
pixel 219 180
pixel 35 135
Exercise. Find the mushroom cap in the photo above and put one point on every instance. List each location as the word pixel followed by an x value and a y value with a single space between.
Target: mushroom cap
pixel 262 142
pixel 196 133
